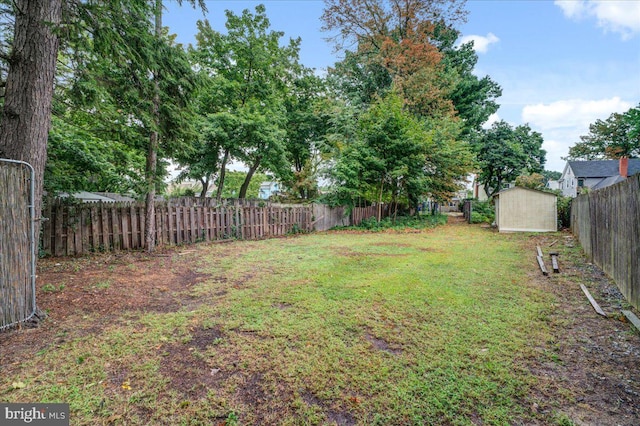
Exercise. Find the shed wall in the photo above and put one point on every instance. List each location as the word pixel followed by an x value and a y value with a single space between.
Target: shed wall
pixel 522 210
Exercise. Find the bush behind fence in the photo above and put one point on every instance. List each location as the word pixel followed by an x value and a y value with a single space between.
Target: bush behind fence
pixel 607 224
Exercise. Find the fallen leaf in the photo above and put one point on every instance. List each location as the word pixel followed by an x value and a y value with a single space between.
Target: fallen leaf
pixel 126 385
pixel 18 385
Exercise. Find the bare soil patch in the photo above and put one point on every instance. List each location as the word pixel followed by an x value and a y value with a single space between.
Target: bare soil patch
pixel 590 371
pixel 84 295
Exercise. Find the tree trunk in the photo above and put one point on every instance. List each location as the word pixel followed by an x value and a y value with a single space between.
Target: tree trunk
pixel 245 185
pixel 380 201
pixel 152 154
pixel 26 115
pixel 205 187
pixel 223 171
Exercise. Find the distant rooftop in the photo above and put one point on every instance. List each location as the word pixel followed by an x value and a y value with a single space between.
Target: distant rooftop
pixel 602 168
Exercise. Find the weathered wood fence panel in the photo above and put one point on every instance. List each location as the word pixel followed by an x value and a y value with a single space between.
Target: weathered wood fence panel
pixel 17 263
pixel 75 229
pixel 607 224
pixel 358 214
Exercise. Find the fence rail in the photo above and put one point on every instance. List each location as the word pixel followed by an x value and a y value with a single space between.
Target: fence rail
pixel 607 224
pixel 84 228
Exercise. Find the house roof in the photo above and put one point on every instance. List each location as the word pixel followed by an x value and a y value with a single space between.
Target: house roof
pixel 524 189
pixel 608 181
pixel 602 168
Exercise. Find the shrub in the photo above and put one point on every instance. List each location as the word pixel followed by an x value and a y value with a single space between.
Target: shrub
pixel 564 212
pixel 482 212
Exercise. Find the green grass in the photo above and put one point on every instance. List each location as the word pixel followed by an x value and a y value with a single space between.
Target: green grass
pixel 376 328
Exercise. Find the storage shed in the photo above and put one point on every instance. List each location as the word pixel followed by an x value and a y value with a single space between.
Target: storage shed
pixel 526 210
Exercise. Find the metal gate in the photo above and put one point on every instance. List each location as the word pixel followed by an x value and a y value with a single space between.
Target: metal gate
pixel 17 243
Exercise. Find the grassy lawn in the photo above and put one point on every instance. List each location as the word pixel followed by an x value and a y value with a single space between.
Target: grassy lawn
pixel 430 327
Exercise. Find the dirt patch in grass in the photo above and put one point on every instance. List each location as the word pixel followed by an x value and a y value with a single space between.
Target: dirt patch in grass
pixel 381 344
pixel 188 372
pixel 83 296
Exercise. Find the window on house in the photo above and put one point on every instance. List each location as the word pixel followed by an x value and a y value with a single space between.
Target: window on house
pixel 580 183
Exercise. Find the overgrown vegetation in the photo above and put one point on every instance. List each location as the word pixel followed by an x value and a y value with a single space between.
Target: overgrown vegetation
pixel 400 222
pixel 482 212
pixel 564 211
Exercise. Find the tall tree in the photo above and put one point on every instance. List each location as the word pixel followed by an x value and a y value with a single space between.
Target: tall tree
pixel 617 136
pixel 137 67
pixel 26 112
pixel 397 36
pixel 252 70
pixel 504 153
pixel 474 99
pixel 396 157
pixel 307 115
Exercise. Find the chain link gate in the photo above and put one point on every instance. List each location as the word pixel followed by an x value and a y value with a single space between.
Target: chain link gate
pixel 17 243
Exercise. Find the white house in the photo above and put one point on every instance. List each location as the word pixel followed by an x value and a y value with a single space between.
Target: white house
pixel 552 184
pixel 595 174
pixel 267 189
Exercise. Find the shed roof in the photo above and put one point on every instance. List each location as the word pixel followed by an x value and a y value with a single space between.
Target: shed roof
pixel 524 189
pixel 602 168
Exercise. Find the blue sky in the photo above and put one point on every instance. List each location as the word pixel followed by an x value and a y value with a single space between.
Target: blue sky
pixel 561 64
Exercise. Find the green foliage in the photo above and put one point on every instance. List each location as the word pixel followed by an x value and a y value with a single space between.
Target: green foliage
pixel 246 72
pixel 617 136
pixel 532 181
pixel 551 175
pixel 234 180
pixel 474 99
pixel 391 155
pixel 504 153
pixel 307 122
pixel 400 223
pixel 482 212
pixel 181 192
pixel 564 211
pixel 114 67
pixel 80 161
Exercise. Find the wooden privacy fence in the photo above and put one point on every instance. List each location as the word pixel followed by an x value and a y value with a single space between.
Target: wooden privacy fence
pixel 74 229
pixel 358 214
pixel 17 255
pixel 607 224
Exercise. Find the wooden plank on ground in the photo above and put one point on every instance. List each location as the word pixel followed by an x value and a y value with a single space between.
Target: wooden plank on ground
pixel 633 319
pixel 539 251
pixel 595 305
pixel 542 267
pixel 554 262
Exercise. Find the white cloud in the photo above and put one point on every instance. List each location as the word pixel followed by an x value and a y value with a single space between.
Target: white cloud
pixel 572 112
pixel 563 122
pixel 617 16
pixel 480 43
pixel 492 119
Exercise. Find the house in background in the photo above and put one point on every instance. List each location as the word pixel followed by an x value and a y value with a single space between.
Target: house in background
pixel 267 189
pixel 595 174
pixel 526 210
pixel 552 184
